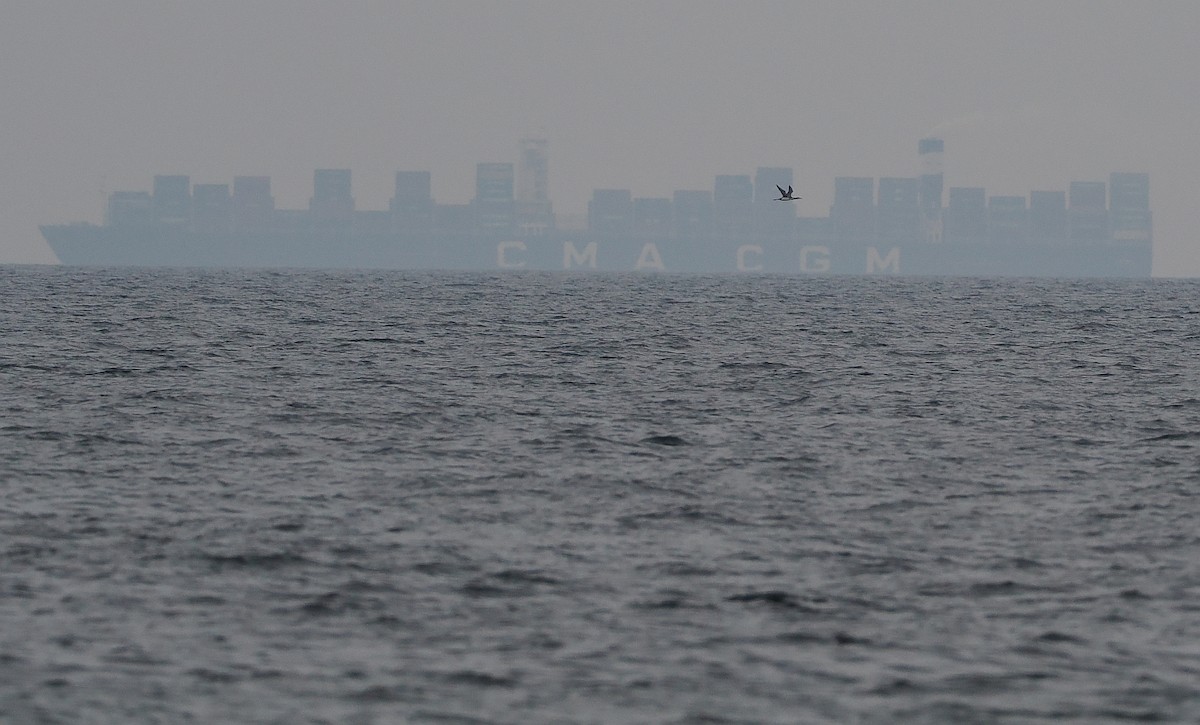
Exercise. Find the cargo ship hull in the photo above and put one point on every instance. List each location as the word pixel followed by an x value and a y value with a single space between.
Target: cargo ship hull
pixel 94 245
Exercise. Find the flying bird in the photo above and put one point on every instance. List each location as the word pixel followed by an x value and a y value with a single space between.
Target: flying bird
pixel 786 195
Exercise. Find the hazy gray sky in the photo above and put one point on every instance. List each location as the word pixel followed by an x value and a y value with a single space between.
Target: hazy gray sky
pixel 100 95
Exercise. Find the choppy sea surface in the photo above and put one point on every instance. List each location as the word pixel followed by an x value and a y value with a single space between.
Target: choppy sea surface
pixel 319 497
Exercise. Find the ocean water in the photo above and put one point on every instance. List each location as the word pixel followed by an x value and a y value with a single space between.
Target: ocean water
pixel 317 497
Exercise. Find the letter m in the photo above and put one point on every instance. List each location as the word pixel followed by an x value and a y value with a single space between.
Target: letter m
pixel 572 256
pixel 890 262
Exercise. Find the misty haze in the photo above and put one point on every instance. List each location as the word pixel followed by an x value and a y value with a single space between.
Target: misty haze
pixel 469 362
pixel 649 98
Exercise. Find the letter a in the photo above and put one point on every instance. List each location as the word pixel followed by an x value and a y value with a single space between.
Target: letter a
pixel 650 258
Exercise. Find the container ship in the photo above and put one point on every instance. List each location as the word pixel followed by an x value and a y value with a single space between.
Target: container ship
pixel 886 226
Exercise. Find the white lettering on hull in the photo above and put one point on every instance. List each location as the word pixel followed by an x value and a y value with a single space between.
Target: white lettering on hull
pixel 572 256
pixel 742 251
pixel 876 265
pixel 650 258
pixel 814 259
pixel 502 260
